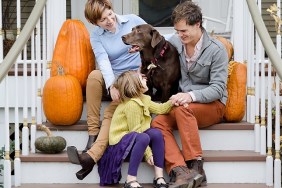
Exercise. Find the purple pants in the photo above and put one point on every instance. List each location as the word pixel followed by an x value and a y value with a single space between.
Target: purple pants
pixel 153 138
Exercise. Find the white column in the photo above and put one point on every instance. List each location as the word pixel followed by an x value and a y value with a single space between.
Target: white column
pixel 238 32
pixel 77 12
pixel 56 15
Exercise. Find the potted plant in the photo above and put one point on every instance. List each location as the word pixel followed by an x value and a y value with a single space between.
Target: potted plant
pixel 2 152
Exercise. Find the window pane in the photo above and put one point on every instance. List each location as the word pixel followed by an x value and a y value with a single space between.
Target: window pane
pixel 156 12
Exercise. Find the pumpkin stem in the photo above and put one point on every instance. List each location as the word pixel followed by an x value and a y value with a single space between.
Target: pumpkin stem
pixel 45 129
pixel 60 68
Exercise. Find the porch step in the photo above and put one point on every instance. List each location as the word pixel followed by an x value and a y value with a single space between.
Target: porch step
pixel 211 185
pixel 222 136
pixel 220 166
pixel 208 155
pixel 228 152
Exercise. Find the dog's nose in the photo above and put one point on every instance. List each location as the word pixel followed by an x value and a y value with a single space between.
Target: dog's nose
pixel 124 39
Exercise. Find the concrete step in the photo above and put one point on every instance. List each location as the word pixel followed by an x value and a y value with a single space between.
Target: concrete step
pixel 223 136
pixel 221 167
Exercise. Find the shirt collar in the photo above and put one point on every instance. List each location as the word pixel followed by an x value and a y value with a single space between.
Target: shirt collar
pixel 197 49
pixel 138 100
pixel 120 20
pixel 199 43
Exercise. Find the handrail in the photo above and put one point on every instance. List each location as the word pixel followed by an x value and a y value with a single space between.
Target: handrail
pixel 265 37
pixel 18 46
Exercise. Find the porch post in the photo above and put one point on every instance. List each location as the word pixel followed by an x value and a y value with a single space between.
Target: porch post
pixel 56 15
pixel 238 30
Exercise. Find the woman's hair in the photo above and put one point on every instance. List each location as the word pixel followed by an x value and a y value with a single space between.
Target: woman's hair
pixel 94 9
pixel 188 11
pixel 129 85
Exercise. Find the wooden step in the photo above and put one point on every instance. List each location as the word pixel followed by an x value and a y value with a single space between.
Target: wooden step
pixel 82 126
pixel 209 156
pixel 222 136
pixel 211 185
pixel 220 167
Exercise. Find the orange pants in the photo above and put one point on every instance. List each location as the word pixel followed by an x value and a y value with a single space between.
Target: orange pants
pixel 187 121
pixel 95 90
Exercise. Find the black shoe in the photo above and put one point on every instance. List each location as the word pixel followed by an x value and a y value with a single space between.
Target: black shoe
pixel 159 185
pixel 85 160
pixel 91 140
pixel 198 166
pixel 128 184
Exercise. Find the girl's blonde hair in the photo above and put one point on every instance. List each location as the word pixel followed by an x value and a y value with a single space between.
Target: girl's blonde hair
pixel 94 9
pixel 129 85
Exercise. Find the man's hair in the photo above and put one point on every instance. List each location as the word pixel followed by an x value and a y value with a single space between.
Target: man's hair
pixel 129 85
pixel 94 9
pixel 188 11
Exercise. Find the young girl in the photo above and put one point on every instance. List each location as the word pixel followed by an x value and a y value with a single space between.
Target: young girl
pixel 130 133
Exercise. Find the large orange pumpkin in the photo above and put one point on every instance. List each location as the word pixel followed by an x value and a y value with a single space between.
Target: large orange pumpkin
pixel 62 99
pixel 74 52
pixel 227 44
pixel 236 87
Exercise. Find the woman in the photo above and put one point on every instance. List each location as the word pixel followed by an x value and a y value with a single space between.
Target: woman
pixel 112 58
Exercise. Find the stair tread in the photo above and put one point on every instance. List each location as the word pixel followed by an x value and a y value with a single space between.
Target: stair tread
pixel 82 126
pixel 93 185
pixel 208 155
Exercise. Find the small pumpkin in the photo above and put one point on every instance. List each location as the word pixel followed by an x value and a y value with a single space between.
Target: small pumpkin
pixel 62 99
pixel 236 87
pixel 49 144
pixel 74 52
pixel 227 44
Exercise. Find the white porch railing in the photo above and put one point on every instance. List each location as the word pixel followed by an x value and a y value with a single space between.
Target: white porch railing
pixel 35 71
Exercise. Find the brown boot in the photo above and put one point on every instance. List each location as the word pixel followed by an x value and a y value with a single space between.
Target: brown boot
pixel 84 159
pixel 198 166
pixel 182 177
pixel 91 140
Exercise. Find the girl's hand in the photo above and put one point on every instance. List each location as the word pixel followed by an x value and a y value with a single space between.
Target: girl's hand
pixel 114 93
pixel 150 161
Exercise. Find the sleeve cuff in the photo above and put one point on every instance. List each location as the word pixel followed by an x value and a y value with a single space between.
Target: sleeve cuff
pixel 192 96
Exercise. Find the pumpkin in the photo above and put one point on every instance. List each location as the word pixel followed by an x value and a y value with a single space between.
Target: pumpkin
pixel 74 52
pixel 62 99
pixel 227 44
pixel 49 144
pixel 236 87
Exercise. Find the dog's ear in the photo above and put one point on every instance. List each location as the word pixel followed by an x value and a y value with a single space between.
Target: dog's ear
pixel 156 37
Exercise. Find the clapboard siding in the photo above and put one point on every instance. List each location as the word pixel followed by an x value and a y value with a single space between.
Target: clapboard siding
pixel 26 8
pixel 268 20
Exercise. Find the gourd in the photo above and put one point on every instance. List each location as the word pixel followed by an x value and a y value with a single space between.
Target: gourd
pixel 236 87
pixel 74 52
pixel 62 99
pixel 49 144
pixel 227 44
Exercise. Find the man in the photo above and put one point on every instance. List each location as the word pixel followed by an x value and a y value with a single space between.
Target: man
pixel 204 64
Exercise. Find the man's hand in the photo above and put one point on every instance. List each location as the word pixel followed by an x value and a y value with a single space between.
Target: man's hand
pixel 181 99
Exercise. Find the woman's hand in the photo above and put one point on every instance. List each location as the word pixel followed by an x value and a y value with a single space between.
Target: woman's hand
pixel 150 161
pixel 114 93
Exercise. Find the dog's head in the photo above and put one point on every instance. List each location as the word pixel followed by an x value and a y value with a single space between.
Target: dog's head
pixel 142 36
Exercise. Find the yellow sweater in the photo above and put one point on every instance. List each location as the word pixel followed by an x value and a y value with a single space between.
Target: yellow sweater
pixel 134 115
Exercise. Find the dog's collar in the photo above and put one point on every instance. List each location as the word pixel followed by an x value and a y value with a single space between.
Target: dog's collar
pixel 154 61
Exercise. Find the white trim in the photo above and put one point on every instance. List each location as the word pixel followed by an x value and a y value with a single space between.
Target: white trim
pixel 238 32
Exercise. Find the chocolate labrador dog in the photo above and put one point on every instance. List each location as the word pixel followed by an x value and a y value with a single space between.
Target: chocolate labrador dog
pixel 160 61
